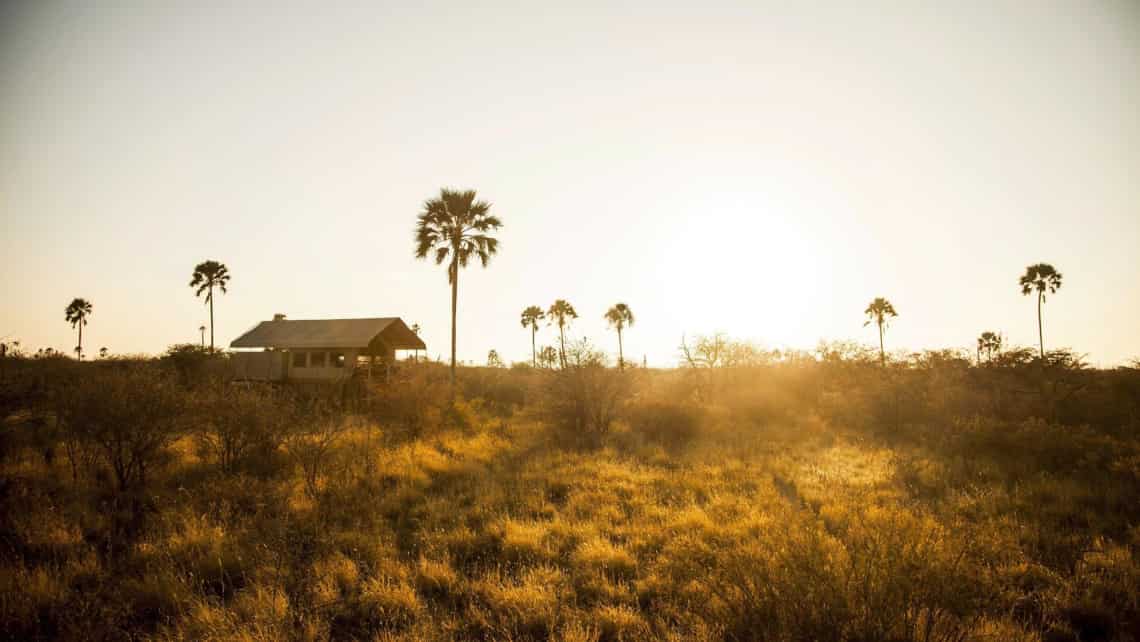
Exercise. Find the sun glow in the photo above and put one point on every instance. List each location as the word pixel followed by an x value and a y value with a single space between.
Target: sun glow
pixel 748 269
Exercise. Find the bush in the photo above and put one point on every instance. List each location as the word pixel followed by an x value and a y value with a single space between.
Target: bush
pixel 193 364
pixel 128 416
pixel 413 401
pixel 670 424
pixel 242 428
pixel 583 399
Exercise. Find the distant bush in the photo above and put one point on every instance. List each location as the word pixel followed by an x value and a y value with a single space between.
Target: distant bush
pixel 412 402
pixel 583 399
pixel 128 416
pixel 670 424
pixel 193 364
pixel 243 427
pixel 501 390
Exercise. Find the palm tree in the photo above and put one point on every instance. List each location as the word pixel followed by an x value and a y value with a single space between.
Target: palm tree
pixel 560 313
pixel 530 318
pixel 454 227
pixel 1040 277
pixel 202 335
pixel 76 314
pixel 207 276
pixel 103 352
pixel 988 342
pixel 880 312
pixel 619 317
pixel 494 360
pixel 548 356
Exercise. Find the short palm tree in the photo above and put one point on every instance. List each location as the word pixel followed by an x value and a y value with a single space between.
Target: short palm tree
pixel 620 317
pixel 1041 277
pixel 559 314
pixel 989 343
pixel 76 314
pixel 548 356
pixel 880 311
pixel 454 227
pixel 530 318
pixel 494 360
pixel 103 352
pixel 207 276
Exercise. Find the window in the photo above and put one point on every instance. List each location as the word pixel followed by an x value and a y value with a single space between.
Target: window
pixel 338 360
pixel 317 359
pixel 299 359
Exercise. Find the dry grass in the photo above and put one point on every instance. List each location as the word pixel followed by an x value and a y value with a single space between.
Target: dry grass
pixel 781 504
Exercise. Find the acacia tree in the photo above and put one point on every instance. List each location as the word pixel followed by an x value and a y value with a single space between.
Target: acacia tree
pixel 455 228
pixel 879 312
pixel 560 313
pixel 1040 277
pixel 989 343
pixel 76 314
pixel 620 317
pixel 207 276
pixel 530 318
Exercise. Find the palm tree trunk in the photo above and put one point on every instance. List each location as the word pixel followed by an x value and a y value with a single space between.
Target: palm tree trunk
pixel 1040 331
pixel 621 353
pixel 561 346
pixel 454 303
pixel 882 352
pixel 533 351
pixel 211 297
pixel 80 346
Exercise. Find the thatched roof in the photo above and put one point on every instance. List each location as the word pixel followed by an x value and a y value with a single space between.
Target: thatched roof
pixel 330 333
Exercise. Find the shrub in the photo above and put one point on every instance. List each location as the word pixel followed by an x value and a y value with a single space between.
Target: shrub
pixel 129 416
pixel 193 364
pixel 411 402
pixel 243 426
pixel 583 399
pixel 671 424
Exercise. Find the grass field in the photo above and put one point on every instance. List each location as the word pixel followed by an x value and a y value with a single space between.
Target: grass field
pixel 822 499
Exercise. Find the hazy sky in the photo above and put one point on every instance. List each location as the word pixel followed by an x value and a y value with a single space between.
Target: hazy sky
pixel 757 169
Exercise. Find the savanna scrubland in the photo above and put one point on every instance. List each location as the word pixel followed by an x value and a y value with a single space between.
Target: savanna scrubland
pixel 738 497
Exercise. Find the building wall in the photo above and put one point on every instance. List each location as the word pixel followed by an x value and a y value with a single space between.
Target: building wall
pixel 311 371
pixel 320 364
pixel 258 366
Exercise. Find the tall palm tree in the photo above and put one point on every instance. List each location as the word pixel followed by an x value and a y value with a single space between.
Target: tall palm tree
pixel 207 276
pixel 455 227
pixel 76 314
pixel 988 342
pixel 530 318
pixel 619 317
pixel 560 313
pixel 1041 277
pixel 880 312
